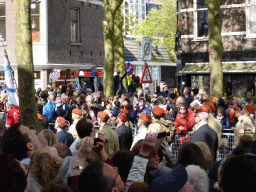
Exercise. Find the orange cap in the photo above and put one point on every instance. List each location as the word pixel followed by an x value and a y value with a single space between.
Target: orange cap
pixel 145 117
pixel 77 111
pixel 62 121
pixel 103 115
pixel 122 117
pixel 125 111
pixel 158 111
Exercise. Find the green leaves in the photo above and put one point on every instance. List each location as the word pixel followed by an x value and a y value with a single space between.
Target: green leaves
pixel 161 26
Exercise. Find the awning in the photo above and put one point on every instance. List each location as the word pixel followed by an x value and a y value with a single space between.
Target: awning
pixel 228 67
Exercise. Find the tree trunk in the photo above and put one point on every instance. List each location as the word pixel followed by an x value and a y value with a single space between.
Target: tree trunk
pixel 119 46
pixel 215 47
pixel 24 59
pixel 110 7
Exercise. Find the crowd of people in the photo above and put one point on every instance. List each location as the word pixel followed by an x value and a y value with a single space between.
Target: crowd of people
pixel 125 142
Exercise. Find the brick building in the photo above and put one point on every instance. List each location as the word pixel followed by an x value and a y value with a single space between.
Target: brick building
pixel 238 22
pixel 67 34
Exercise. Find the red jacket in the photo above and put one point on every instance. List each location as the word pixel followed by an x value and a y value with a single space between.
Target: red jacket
pixel 13 117
pixel 187 122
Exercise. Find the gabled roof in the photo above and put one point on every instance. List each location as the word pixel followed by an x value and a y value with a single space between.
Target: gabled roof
pixel 132 50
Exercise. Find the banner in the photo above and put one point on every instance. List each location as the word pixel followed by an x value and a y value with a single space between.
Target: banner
pixel 11 91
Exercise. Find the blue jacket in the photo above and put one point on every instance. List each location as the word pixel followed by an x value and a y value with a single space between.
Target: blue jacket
pixel 225 122
pixel 138 111
pixel 48 110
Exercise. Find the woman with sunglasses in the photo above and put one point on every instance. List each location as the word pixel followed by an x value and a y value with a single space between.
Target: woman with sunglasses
pixel 184 123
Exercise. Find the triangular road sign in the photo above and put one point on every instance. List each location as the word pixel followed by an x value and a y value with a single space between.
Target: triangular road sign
pixel 146 77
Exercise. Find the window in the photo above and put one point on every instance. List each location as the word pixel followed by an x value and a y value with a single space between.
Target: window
pixel 75 28
pixel 2 22
pixel 251 17
pixel 201 13
pixel 35 21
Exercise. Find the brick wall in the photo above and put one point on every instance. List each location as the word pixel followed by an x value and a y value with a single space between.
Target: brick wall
pixel 59 33
pixel 232 20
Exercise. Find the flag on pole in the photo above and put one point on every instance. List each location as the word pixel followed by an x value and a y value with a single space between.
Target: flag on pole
pixel 11 91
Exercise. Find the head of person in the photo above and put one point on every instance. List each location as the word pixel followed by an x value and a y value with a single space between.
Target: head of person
pixel 158 89
pixel 84 127
pixel 63 150
pixel 49 136
pixel 221 111
pixel 110 99
pixel 139 91
pixel 144 120
pixel 89 99
pixel 102 118
pixel 187 91
pixel 45 165
pixel 63 97
pixel 205 98
pixel 194 91
pixel 126 102
pixel 192 106
pixel 60 123
pixel 160 100
pixel 154 97
pixel 76 114
pixel 197 179
pixel 248 110
pixel 51 97
pixel 238 173
pixel 20 142
pixel 100 177
pixel 201 116
pixel 206 152
pixel 141 102
pixel 158 112
pixel 203 90
pixel 123 160
pixel 121 118
pixel 191 154
pixel 220 102
pixel 180 100
pixel 182 109
pixel 13 174
pixel 58 100
pixel 165 88
pixel 56 187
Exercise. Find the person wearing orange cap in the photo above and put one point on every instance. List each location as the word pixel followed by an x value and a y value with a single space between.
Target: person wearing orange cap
pixel 158 117
pixel 143 124
pixel 246 124
pixel 76 116
pixel 124 133
pixel 127 123
pixel 111 135
pixel 62 135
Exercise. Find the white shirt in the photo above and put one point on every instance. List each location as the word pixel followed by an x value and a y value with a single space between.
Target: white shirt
pixel 141 135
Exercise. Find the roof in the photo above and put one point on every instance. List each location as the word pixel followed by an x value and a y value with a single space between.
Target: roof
pixel 133 50
pixel 228 67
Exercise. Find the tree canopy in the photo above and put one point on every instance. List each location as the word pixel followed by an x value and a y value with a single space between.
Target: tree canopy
pixel 161 26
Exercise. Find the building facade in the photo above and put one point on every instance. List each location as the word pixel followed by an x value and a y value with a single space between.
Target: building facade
pixel 238 30
pixel 66 35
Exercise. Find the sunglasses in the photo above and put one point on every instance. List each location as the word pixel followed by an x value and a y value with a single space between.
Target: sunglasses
pixel 183 108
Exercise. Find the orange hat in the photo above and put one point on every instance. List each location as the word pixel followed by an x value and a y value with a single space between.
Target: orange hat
pixel 118 71
pixel 125 111
pixel 213 100
pixel 158 111
pixel 103 115
pixel 62 121
pixel 77 111
pixel 250 108
pixel 210 107
pixel 40 117
pixel 202 109
pixel 145 117
pixel 122 117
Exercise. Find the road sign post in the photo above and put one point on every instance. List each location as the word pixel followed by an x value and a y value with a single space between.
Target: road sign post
pixel 146 48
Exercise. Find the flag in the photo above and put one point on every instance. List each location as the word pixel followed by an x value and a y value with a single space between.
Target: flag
pixel 11 91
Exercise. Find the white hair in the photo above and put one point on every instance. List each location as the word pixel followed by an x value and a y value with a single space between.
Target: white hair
pixel 198 178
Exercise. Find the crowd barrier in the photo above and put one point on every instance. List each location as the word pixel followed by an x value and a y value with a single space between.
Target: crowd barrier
pixel 227 141
pixel 227 144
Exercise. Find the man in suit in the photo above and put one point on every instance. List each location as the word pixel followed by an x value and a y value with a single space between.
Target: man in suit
pixel 205 134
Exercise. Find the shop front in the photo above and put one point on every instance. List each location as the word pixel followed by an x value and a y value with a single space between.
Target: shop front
pixel 238 77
